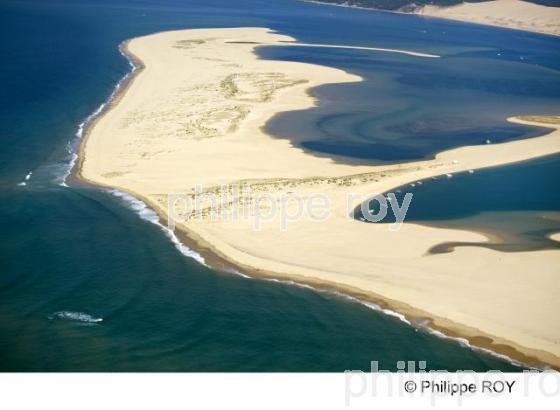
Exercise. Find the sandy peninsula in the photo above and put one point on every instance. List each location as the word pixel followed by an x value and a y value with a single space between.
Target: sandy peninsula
pixel 194 116
pixel 516 14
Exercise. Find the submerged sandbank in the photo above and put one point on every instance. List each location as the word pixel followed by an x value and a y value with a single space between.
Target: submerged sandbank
pixel 194 116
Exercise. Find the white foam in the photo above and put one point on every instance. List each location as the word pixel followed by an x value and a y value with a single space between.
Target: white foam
pixel 388 312
pixel 467 344
pixel 424 325
pixel 151 216
pixel 76 316
pixel 73 145
pixel 292 283
pixel 27 177
pixel 371 305
pixel 236 272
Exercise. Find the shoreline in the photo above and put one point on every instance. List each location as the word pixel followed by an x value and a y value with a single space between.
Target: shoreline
pixel 88 124
pixel 434 15
pixel 439 327
pixel 220 261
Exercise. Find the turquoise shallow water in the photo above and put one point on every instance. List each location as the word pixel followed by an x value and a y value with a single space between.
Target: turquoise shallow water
pixel 87 285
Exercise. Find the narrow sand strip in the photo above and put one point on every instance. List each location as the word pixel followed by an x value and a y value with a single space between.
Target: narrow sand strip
pixel 194 116
pixel 384 50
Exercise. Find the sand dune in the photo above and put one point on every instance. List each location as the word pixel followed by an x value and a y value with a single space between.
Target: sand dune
pixel 195 115
pixel 515 14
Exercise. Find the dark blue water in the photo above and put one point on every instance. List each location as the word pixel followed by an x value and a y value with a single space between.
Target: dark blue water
pixel 410 108
pixel 72 256
pixel 517 205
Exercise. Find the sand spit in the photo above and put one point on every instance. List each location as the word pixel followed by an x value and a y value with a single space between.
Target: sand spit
pixel 194 116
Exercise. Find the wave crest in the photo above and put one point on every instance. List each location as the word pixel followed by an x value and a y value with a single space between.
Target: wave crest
pixel 75 316
pixel 151 216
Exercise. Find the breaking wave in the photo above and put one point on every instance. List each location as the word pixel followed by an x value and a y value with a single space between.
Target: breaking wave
pixel 151 216
pixel 74 144
pixel 75 316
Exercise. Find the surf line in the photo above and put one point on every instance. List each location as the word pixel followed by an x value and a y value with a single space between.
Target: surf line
pixel 418 326
pixel 73 145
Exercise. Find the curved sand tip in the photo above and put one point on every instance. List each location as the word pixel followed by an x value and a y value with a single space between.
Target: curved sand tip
pixel 555 237
pixel 547 121
pixel 195 116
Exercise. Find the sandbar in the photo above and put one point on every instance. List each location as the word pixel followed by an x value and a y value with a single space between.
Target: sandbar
pixel 194 116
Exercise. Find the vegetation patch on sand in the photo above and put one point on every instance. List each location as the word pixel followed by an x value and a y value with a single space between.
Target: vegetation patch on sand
pixel 189 120
pixel 543 119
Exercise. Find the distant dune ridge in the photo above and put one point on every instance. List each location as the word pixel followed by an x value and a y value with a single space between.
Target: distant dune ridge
pixel 515 14
pixel 542 16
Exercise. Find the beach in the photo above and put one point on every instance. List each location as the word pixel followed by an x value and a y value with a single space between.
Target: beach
pixel 194 115
pixel 516 14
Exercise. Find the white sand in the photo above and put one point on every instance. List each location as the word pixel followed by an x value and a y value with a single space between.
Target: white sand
pixel 515 14
pixel 195 114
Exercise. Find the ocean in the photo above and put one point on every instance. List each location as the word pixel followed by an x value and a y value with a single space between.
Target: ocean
pixel 91 282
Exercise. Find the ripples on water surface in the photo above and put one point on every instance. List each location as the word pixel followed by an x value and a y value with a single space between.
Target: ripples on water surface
pixel 88 285
pixel 517 205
